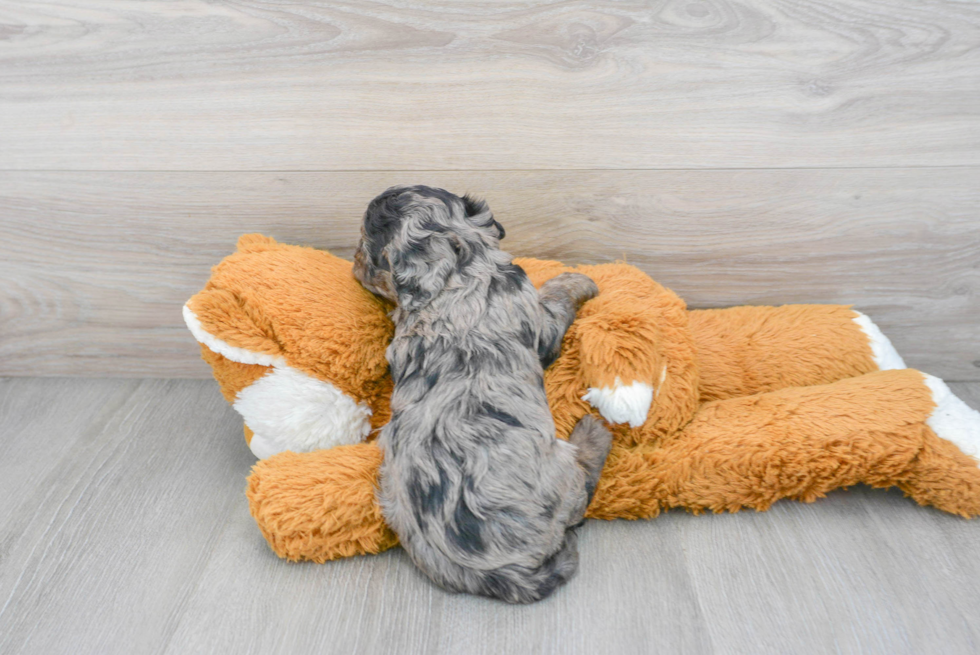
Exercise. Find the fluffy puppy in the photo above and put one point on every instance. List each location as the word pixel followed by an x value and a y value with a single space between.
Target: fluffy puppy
pixel 474 483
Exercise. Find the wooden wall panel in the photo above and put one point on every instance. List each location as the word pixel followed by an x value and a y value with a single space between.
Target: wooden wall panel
pixel 96 265
pixel 440 85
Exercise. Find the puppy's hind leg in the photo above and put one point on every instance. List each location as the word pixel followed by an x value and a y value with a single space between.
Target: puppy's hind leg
pixel 519 584
pixel 593 441
pixel 560 297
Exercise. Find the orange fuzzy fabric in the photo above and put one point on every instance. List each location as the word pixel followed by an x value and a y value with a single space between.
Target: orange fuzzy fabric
pixel 269 299
pixel 752 404
pixel 320 506
pixel 797 443
pixel 800 443
pixel 633 330
pixel 746 350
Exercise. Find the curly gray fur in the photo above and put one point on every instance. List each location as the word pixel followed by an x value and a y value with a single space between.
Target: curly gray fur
pixel 474 483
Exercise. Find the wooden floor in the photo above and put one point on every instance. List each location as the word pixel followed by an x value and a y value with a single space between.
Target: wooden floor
pixel 125 529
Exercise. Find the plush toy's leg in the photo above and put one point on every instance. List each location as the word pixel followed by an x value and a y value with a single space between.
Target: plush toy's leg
pixel 615 353
pixel 320 506
pixel 885 356
pixel 748 350
pixel 889 428
pixel 629 354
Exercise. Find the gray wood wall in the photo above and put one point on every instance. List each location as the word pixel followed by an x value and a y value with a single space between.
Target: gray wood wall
pixel 739 152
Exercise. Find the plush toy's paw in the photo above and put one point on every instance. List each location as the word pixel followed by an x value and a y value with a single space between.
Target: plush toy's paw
pixel 885 355
pixel 953 419
pixel 622 403
pixel 289 410
pixel 320 506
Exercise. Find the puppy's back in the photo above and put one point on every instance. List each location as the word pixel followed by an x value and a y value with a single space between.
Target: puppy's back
pixel 474 482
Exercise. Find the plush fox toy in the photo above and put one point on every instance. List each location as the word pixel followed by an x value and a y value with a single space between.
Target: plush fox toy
pixel 711 409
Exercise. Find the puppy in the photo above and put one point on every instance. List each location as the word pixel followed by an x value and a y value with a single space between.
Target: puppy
pixel 474 483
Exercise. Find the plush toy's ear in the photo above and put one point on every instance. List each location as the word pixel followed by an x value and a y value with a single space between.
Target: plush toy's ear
pixel 296 345
pixel 255 243
pixel 420 266
pixel 219 320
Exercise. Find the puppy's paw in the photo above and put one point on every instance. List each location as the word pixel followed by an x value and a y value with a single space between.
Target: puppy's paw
pixel 579 288
pixel 592 441
pixel 592 438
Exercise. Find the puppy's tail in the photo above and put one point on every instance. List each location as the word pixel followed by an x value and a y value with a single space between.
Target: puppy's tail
pixel 520 584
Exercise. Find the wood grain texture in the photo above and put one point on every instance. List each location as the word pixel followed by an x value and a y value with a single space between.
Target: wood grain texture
pixel 129 533
pixel 97 265
pixel 440 85
pixel 122 489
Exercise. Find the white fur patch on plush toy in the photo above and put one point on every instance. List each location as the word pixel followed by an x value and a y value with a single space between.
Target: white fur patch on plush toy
pixel 286 409
pixel 885 355
pixel 289 410
pixel 953 419
pixel 622 403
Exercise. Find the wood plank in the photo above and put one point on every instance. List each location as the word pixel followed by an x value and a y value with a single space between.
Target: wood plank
pixel 862 571
pixel 122 489
pixel 869 571
pixel 969 392
pixel 36 440
pixel 130 534
pixel 97 265
pixel 633 590
pixel 431 85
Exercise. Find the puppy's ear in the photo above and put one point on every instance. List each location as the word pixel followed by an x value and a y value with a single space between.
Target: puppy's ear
pixel 500 228
pixel 421 267
pixel 475 208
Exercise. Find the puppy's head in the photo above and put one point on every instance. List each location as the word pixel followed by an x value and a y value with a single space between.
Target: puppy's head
pixel 414 237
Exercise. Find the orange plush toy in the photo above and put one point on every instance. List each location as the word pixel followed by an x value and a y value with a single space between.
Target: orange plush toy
pixel 711 409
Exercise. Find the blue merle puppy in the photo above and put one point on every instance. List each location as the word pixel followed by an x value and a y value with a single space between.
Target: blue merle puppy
pixel 474 483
